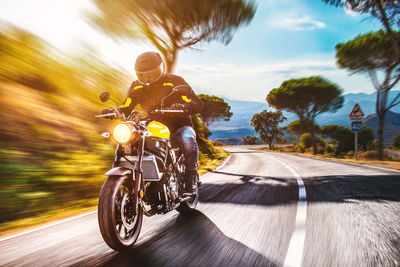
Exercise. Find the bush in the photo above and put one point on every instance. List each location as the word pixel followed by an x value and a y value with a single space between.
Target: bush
pixel 306 140
pixel 396 141
pixel 298 147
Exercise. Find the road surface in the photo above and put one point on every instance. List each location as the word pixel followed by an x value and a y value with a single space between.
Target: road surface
pixel 259 209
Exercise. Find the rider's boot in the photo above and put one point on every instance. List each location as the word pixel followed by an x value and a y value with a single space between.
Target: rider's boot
pixel 191 182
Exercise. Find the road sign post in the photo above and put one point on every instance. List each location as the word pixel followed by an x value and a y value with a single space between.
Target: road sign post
pixel 356 116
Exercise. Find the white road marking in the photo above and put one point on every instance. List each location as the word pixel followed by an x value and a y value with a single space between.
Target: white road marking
pixel 223 163
pixel 294 255
pixel 46 226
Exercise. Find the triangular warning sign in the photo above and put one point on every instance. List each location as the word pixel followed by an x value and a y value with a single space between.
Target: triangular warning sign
pixel 356 112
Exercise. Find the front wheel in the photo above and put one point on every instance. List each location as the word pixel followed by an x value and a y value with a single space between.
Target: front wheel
pixel 119 224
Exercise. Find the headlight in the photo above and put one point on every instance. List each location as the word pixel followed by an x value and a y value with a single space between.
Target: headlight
pixel 122 133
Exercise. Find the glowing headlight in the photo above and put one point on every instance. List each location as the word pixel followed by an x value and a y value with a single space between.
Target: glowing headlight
pixel 122 133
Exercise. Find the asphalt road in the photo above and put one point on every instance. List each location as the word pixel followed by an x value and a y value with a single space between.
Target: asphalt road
pixel 254 211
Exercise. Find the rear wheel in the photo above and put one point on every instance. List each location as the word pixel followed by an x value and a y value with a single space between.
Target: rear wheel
pixel 119 224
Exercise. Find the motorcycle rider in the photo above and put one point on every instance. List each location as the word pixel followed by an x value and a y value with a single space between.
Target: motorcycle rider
pixel 146 93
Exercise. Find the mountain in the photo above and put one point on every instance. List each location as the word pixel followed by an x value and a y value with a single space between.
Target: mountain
pixel 390 128
pixel 240 123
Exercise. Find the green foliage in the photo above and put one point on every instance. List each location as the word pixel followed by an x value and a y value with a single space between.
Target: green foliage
pixel 215 108
pixel 366 139
pixel 298 128
pixel 344 138
pixel 396 141
pixel 173 25
pixel 306 142
pixel 267 125
pixel 307 97
pixel 378 47
pixel 250 140
pixel 381 59
pixel 387 11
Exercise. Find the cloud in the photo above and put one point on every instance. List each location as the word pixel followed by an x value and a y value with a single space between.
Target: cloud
pixel 304 23
pixel 350 12
pixel 251 82
pixel 293 68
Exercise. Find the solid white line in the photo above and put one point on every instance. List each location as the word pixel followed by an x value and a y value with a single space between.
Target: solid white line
pixel 46 226
pixel 294 255
pixel 223 163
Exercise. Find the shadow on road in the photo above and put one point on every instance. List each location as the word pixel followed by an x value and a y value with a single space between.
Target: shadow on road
pixel 191 240
pixel 264 190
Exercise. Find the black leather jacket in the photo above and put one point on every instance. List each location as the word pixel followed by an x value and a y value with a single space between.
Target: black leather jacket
pixel 148 98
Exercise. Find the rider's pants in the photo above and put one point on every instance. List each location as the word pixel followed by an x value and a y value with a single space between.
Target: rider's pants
pixel 185 137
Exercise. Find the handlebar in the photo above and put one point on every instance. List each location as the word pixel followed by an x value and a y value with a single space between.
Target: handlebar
pixel 106 115
pixel 179 111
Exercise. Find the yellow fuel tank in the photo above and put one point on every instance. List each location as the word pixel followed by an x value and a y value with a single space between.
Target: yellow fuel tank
pixel 157 129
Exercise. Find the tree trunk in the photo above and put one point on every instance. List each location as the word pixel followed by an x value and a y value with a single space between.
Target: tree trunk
pixel 314 142
pixel 379 135
pixel 170 60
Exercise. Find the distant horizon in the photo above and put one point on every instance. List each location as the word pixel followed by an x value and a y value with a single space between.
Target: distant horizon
pixel 344 94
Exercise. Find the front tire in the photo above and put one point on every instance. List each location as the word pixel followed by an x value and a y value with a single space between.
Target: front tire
pixel 119 226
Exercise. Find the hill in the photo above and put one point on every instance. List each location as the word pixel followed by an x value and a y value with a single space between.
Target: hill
pixel 390 129
pixel 243 111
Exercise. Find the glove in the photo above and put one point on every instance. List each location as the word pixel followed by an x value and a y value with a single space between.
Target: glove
pixel 107 110
pixel 178 106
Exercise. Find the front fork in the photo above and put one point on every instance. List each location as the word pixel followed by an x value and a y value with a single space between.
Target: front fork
pixel 138 176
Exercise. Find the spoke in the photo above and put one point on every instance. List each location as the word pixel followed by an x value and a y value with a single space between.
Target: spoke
pixel 126 232
pixel 121 231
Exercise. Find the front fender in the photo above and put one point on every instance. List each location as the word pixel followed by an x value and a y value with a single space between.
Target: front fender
pixel 119 171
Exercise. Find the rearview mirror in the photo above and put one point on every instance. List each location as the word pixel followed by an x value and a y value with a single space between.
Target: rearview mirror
pixel 104 96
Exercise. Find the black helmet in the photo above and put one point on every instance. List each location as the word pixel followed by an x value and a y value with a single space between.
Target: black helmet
pixel 149 68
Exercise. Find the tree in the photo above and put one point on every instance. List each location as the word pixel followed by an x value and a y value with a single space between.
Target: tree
pixel 344 138
pixel 250 140
pixel 307 97
pixel 297 128
pixel 172 25
pixel 387 11
pixel 396 141
pixel 380 60
pixel 267 125
pixel 215 108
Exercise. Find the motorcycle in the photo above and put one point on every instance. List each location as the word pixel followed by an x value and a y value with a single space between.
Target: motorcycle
pixel 147 176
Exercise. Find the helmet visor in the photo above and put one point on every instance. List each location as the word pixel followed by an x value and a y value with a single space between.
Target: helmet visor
pixel 150 76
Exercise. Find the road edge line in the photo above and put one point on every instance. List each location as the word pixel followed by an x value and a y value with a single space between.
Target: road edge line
pixel 46 226
pixel 223 163
pixel 294 254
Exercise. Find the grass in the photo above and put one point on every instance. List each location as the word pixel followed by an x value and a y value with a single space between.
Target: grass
pixel 207 164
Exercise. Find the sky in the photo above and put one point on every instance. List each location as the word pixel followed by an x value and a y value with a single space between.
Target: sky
pixel 286 39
